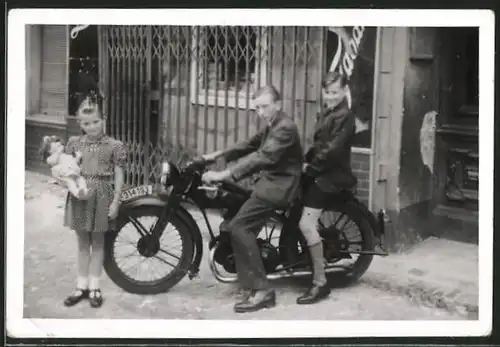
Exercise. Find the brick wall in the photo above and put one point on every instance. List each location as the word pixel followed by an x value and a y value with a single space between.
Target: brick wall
pixel 360 163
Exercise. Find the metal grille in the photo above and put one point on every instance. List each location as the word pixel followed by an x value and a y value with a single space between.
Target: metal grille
pixel 174 91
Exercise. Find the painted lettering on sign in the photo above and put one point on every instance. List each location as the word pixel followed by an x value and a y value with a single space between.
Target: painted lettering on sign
pixel 347 49
pixel 74 32
pixel 344 59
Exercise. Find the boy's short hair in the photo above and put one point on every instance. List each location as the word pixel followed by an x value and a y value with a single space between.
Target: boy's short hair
pixel 45 146
pixel 332 77
pixel 268 89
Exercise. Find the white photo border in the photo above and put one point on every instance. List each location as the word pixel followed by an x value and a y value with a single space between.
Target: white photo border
pixel 17 326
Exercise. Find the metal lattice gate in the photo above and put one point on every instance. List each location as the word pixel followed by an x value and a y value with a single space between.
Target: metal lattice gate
pixel 172 91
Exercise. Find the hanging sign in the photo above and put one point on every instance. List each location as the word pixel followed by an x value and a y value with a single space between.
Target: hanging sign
pixel 347 49
pixel 74 32
pixel 344 60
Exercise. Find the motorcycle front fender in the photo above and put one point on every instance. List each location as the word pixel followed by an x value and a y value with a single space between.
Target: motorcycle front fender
pixel 150 200
pixel 180 212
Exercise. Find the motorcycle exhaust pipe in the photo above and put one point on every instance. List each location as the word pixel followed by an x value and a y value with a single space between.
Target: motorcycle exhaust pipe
pixel 274 276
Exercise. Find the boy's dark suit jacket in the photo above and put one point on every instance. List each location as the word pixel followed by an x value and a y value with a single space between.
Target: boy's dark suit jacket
pixel 330 155
pixel 276 152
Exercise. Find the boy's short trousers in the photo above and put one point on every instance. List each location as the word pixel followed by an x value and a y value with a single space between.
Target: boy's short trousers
pixel 314 197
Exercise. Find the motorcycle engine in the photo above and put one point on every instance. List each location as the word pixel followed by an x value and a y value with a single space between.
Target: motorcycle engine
pixel 269 254
pixel 224 252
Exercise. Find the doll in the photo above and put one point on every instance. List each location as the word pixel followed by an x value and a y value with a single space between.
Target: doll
pixel 64 167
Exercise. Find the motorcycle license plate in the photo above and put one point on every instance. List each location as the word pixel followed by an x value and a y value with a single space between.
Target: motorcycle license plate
pixel 134 192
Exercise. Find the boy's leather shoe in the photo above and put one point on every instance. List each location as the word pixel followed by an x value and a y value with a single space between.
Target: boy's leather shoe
pixel 314 294
pixel 261 299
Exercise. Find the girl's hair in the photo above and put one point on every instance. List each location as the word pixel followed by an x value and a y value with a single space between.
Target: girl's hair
pixel 45 146
pixel 332 77
pixel 88 107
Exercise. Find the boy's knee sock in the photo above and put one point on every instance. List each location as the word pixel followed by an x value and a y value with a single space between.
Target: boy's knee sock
pixel 316 252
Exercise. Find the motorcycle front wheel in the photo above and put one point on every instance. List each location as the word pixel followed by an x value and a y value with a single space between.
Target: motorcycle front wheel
pixel 159 263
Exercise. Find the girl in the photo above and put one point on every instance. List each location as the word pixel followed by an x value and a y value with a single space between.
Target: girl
pixel 102 164
pixel 328 166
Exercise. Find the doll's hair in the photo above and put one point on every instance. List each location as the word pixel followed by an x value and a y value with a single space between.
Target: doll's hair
pixel 45 146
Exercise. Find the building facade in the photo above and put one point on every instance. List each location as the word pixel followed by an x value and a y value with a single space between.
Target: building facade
pixel 175 89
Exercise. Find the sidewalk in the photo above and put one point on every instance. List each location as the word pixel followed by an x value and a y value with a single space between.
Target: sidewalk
pixel 436 273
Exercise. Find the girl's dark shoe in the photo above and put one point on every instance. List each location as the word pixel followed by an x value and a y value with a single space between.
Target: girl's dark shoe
pixel 95 298
pixel 77 296
pixel 314 294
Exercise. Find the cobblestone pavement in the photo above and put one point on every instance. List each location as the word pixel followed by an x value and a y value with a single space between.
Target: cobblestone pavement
pixel 49 270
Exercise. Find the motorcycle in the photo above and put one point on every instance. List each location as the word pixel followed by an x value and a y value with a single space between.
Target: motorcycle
pixel 284 255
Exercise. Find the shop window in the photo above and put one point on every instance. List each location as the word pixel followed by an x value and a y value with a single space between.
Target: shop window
pixel 351 50
pixel 227 61
pixel 83 67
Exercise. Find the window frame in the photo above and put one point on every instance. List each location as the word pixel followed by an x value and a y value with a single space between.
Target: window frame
pixel 223 97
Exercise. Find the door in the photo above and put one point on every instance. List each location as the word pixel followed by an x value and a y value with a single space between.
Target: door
pixel 457 153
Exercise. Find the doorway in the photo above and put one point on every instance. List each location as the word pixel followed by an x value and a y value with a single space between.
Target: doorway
pixel 457 152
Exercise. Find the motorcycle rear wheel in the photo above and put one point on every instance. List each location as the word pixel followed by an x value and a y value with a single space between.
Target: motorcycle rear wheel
pixel 363 261
pixel 157 286
pixel 294 246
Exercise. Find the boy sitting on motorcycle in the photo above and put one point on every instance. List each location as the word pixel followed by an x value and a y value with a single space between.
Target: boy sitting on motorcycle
pixel 275 152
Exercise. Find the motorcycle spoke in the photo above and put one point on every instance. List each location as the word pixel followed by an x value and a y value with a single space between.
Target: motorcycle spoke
pixel 170 254
pixel 134 264
pixel 131 254
pixel 139 266
pixel 343 226
pixel 163 260
pixel 320 224
pixel 138 226
pixel 156 273
pixel 338 218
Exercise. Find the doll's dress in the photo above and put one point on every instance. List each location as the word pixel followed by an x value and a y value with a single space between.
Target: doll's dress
pixel 67 167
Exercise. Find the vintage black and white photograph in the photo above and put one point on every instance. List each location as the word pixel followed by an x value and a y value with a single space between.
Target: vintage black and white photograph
pixel 314 175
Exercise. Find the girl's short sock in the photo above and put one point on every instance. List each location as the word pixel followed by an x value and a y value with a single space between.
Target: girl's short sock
pixel 93 282
pixel 82 282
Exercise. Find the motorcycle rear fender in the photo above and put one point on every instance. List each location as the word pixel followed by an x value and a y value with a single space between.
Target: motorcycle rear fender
pixel 182 214
pixel 349 198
